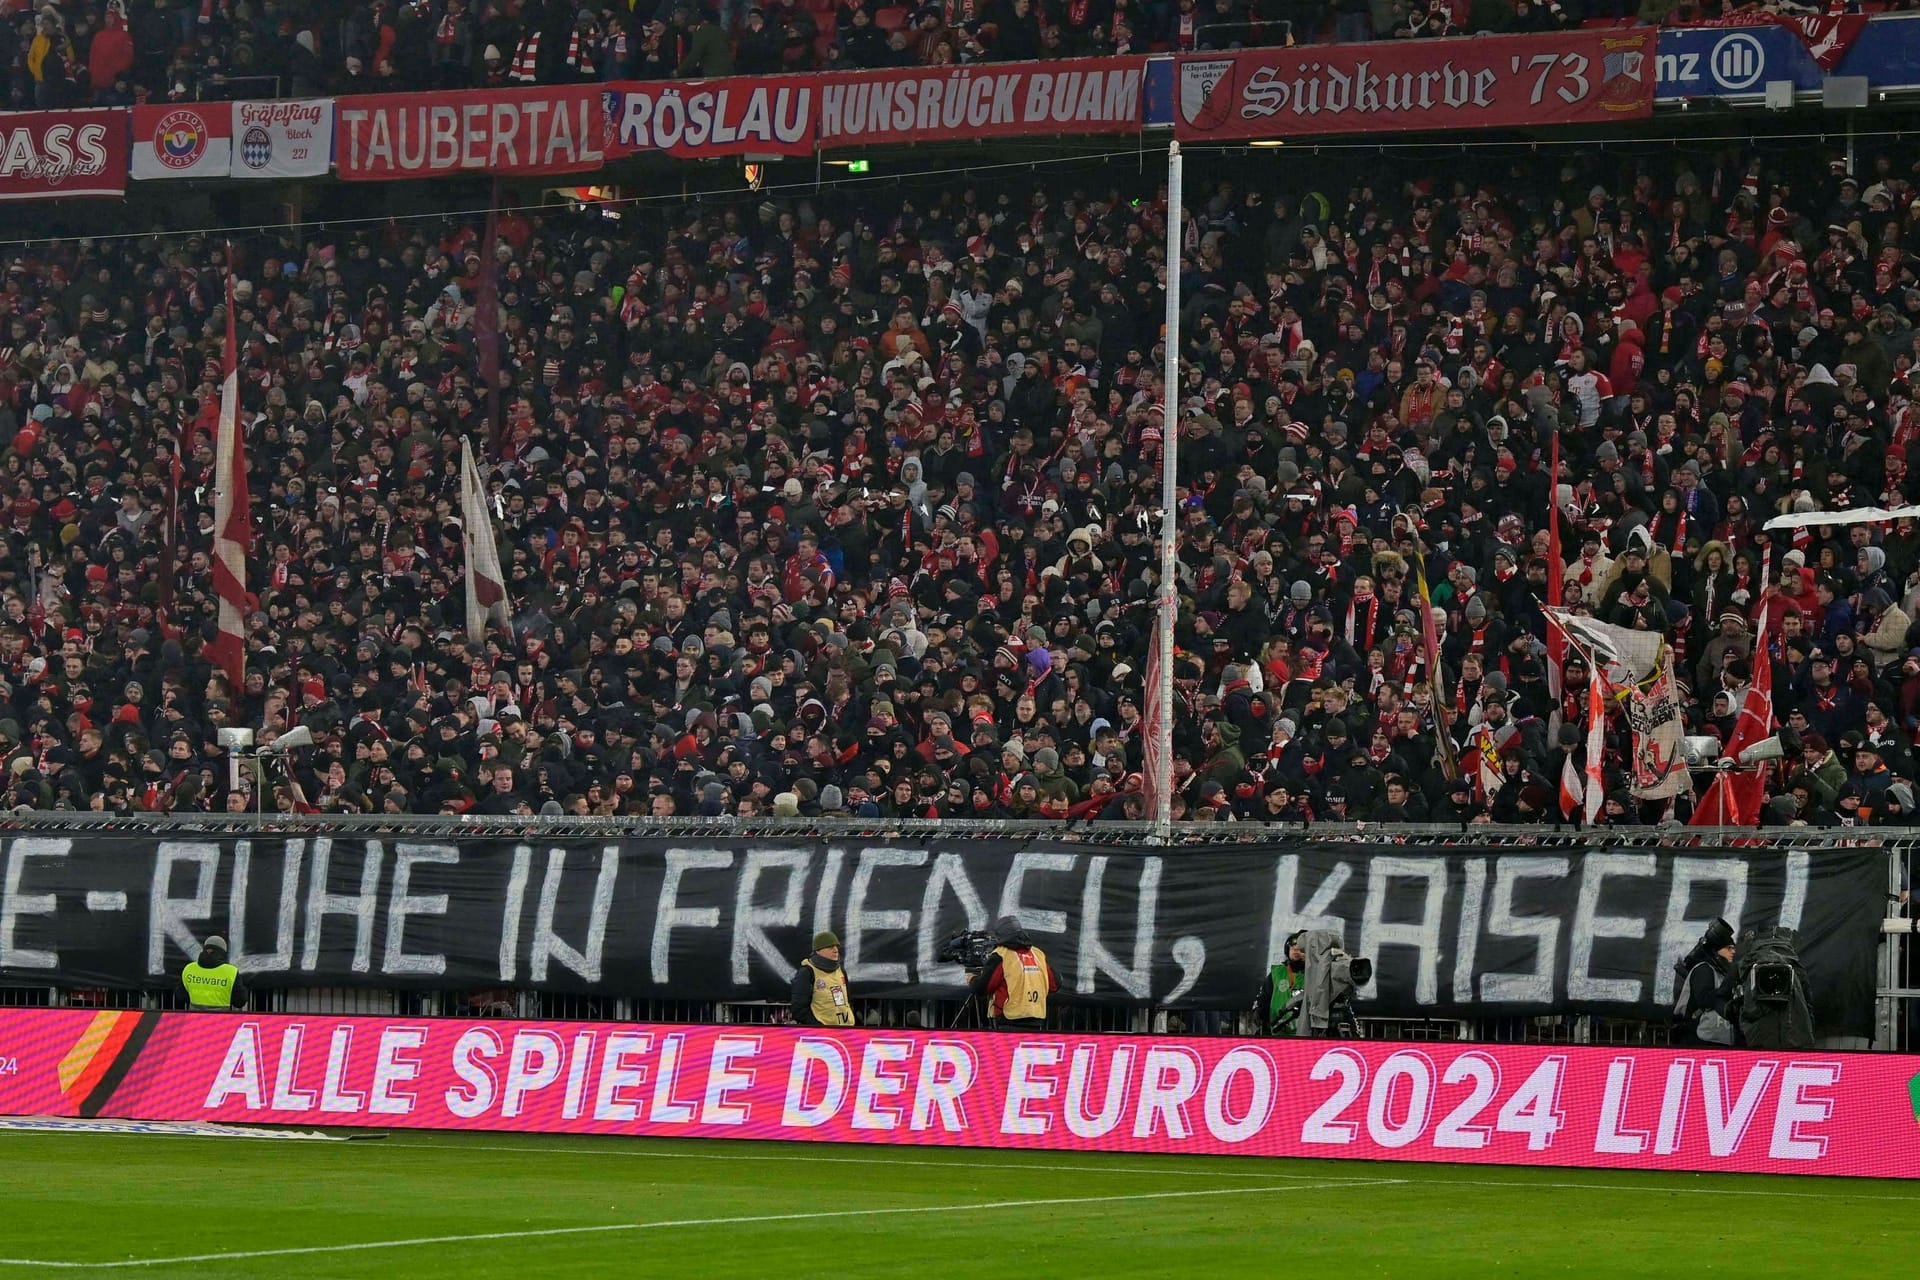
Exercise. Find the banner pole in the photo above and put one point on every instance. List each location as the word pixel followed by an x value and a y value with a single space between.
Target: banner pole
pixel 1162 692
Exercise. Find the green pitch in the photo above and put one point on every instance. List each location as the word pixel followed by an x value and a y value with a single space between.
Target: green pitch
pixel 468 1206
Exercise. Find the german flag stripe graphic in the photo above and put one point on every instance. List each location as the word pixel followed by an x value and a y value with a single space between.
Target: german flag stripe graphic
pixel 101 1058
pixel 80 1059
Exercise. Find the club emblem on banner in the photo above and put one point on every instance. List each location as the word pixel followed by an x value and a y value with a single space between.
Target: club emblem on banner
pixel 180 140
pixel 1622 72
pixel 256 148
pixel 1206 92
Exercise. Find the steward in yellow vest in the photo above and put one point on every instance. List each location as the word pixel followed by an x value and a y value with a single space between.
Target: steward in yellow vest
pixel 819 997
pixel 1017 980
pixel 211 982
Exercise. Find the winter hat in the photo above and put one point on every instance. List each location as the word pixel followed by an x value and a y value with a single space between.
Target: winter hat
pixel 824 939
pixel 786 805
pixel 1301 593
pixel 831 801
pixel 1476 610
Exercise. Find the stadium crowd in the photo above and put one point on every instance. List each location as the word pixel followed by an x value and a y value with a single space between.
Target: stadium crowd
pixel 117 52
pixel 843 504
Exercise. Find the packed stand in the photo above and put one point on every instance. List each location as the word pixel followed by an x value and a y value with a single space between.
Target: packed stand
pixel 846 505
pixel 118 52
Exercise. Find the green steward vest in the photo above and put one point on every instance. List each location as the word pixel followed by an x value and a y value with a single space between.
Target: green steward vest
pixel 1285 983
pixel 209 988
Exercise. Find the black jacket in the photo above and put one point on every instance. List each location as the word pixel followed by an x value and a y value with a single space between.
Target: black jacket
pixel 1710 983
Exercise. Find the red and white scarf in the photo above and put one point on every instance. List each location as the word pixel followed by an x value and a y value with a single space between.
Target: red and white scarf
pixel 1363 617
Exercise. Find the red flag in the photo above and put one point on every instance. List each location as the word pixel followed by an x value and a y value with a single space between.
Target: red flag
pixel 1829 37
pixel 1735 797
pixel 1556 574
pixel 1719 807
pixel 232 517
pixel 1748 787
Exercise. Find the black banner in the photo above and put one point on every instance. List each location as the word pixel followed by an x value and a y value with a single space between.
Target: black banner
pixel 1453 931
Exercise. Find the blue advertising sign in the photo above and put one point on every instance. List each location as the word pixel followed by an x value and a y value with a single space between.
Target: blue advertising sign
pixel 1715 62
pixel 1888 55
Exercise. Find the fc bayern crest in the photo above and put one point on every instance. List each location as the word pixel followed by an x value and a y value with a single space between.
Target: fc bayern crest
pixel 256 148
pixel 1206 91
pixel 180 140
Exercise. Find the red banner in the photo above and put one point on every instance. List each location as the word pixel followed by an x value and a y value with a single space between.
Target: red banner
pixel 1088 95
pixel 768 115
pixel 58 155
pixel 562 129
pixel 1566 77
pixel 1828 36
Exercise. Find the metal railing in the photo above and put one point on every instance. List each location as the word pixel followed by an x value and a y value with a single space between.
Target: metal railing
pixel 766 828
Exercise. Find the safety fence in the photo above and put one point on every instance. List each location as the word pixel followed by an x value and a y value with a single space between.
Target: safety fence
pixel 1895 987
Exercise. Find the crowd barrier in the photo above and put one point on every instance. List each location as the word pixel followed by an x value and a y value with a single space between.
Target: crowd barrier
pixel 1682 1110
pixel 1591 76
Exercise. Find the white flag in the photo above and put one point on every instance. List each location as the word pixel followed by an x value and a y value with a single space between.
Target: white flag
pixel 486 585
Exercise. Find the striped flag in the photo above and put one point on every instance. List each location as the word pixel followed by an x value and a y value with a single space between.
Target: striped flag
pixel 486 585
pixel 1156 773
pixel 1573 791
pixel 1596 743
pixel 232 516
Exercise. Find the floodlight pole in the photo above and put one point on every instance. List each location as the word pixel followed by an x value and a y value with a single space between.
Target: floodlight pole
pixel 1162 692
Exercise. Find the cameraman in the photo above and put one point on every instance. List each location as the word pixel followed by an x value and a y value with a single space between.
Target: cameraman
pixel 819 994
pixel 1705 1004
pixel 1280 997
pixel 1016 980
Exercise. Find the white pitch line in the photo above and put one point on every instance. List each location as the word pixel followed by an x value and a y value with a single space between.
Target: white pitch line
pixel 960 1165
pixel 1161 1173
pixel 548 1232
pixel 610 1150
pixel 1516 1185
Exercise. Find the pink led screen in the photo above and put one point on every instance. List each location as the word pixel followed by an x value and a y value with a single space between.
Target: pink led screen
pixel 1703 1110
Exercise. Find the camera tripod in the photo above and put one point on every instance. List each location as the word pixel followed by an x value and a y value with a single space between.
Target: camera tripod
pixel 970 1002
